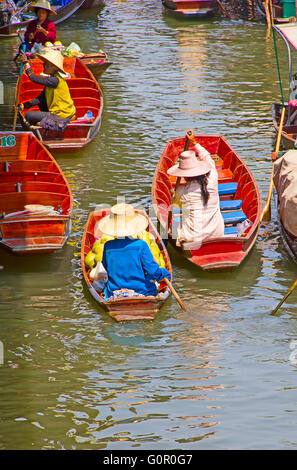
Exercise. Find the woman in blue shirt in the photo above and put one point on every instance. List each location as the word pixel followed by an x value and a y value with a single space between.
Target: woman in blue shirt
pixel 128 261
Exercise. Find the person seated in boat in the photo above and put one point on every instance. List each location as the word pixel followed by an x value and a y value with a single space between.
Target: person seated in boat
pixel 128 261
pixel 55 98
pixel 198 197
pixel 42 29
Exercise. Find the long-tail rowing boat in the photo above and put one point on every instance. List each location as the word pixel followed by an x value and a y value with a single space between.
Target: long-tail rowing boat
pixel 35 198
pixel 189 9
pixel 124 308
pixel 87 97
pixel 64 10
pixel 239 201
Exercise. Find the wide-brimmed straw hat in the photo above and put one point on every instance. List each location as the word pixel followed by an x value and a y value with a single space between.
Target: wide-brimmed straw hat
pixel 122 221
pixel 189 165
pixel 53 57
pixel 44 4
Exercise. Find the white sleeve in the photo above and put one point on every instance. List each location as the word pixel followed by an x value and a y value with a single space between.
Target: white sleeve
pixel 204 155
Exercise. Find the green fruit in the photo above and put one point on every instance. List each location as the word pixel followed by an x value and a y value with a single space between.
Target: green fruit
pixel 99 253
pixel 106 238
pixel 96 245
pixel 90 260
pixel 161 261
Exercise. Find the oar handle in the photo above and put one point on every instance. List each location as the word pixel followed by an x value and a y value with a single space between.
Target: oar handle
pixel 285 297
pixel 17 98
pixel 174 293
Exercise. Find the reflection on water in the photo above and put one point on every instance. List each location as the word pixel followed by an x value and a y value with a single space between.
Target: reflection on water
pixel 216 376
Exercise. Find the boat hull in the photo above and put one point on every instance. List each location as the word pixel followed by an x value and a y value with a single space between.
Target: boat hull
pixel 29 175
pixel 96 63
pixel 220 254
pixel 87 96
pixel 131 308
pixel 63 13
pixel 189 9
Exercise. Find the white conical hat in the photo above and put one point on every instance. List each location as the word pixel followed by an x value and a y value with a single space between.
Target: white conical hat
pixel 122 221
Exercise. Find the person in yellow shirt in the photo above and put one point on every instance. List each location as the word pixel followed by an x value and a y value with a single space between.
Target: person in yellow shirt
pixel 55 98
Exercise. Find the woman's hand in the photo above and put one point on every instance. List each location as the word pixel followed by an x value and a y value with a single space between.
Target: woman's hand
pixel 23 58
pixel 191 136
pixel 40 29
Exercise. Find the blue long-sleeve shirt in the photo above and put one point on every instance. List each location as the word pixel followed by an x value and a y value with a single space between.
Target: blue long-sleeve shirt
pixel 130 264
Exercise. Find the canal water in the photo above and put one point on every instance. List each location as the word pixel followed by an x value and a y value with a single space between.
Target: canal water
pixel 222 375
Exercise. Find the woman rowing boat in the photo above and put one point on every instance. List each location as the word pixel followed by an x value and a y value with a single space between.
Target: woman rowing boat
pixel 199 199
pixel 55 99
pixel 128 261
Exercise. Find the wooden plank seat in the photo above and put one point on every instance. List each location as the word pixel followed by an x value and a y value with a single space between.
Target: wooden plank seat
pixel 28 165
pixel 230 231
pixel 234 217
pixel 19 200
pixel 25 186
pixel 231 205
pixel 227 188
pixel 80 83
pixel 17 176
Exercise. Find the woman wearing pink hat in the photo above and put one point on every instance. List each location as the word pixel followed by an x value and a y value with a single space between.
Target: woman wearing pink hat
pixel 198 198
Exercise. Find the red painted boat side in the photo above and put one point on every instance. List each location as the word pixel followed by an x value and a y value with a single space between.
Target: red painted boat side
pixel 30 175
pixel 189 8
pixel 87 96
pixel 131 308
pixel 219 254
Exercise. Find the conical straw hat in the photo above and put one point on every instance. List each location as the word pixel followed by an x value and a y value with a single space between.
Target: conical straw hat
pixel 45 5
pixel 122 221
pixel 53 57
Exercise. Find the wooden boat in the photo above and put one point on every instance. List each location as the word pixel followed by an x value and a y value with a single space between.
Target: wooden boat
pixel 289 131
pixel 130 308
pixel 86 95
pixel 97 63
pixel 239 200
pixel 30 176
pixel 277 11
pixel 289 240
pixel 288 33
pixel 93 4
pixel 189 9
pixel 64 11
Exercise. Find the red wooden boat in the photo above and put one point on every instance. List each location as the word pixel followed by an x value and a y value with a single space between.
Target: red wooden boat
pixel 63 11
pixel 239 200
pixel 35 198
pixel 189 8
pixel 86 95
pixel 130 308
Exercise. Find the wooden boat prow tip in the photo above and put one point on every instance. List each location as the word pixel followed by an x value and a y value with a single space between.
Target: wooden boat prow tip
pixel 29 176
pixel 86 95
pixel 239 200
pixel 130 308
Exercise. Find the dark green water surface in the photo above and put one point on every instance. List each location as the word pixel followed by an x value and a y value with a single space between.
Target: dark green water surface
pixel 222 375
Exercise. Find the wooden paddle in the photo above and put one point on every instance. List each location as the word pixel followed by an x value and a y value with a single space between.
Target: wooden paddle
pixel 224 10
pixel 266 213
pixel 285 297
pixel 174 293
pixel 18 92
